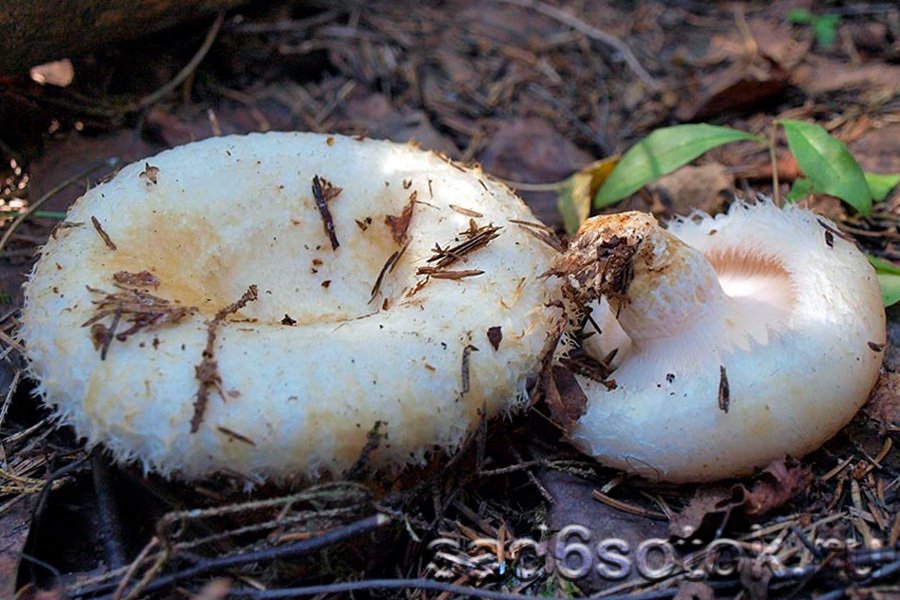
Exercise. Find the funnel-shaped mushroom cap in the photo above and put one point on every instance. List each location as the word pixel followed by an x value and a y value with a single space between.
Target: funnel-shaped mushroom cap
pixel 753 335
pixel 380 287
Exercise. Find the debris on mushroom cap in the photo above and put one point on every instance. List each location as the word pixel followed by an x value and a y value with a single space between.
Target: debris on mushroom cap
pixel 748 339
pixel 333 341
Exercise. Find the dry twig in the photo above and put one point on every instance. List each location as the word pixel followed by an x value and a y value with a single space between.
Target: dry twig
pixel 591 32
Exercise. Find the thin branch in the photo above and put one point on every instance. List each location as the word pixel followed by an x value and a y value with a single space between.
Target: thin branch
pixel 592 32
pixel 109 525
pixel 776 192
pixel 14 384
pixel 186 71
pixel 417 584
pixel 298 548
pixel 50 193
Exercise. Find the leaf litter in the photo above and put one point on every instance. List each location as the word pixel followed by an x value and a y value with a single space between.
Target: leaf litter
pixel 522 482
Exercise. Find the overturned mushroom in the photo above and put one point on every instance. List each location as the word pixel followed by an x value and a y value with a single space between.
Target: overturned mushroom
pixel 198 368
pixel 744 337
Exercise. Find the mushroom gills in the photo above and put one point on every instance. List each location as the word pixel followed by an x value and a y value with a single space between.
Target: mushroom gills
pixel 743 338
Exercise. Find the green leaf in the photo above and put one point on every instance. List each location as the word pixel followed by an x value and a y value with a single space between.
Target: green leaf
pixel 574 198
pixel 890 288
pixel 888 278
pixel 660 153
pixel 881 184
pixel 799 16
pixel 801 188
pixel 825 29
pixel 828 164
pixel 883 266
pixel 39 214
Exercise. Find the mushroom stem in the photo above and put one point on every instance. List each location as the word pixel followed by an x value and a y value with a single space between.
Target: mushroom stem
pixel 673 284
pixel 753 335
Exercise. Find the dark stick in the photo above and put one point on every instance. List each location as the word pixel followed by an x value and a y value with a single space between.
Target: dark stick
pixel 109 527
pixel 318 185
pixel 217 564
pixel 419 584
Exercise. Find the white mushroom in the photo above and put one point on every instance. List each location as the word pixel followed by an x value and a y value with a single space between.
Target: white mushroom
pixel 390 286
pixel 753 335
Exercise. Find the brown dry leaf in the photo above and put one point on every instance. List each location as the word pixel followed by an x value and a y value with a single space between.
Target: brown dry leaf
pixel 14 527
pixel 878 150
pixel 703 187
pixel 185 125
pixel 565 398
pixel 531 151
pixel 776 40
pixel 707 500
pixel 820 76
pixel 574 504
pixel 884 401
pixel 695 590
pixel 743 87
pixel 768 37
pixel 144 279
pixel 495 336
pixel 577 192
pixel 376 116
pixel 778 483
pixel 781 481
pixel 756 67
pixel 786 165
pixel 72 155
pixel 399 225
pixel 59 73
pixel 31 592
pixel 755 576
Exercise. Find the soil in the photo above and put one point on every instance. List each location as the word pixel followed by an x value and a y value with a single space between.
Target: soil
pixel 534 90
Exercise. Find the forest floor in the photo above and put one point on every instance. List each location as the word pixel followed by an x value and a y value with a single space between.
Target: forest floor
pixel 533 91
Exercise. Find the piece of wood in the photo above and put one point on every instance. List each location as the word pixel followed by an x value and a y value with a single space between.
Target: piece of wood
pixel 37 32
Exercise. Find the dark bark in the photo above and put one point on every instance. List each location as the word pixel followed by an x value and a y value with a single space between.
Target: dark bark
pixel 37 32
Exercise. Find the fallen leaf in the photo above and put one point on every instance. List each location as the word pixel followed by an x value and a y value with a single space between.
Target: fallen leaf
pixel 565 398
pixel 777 484
pixel 375 115
pixel 575 505
pixel 828 164
pixel 871 36
pixel 739 89
pixel 878 150
pixel 821 76
pixel 702 187
pixel 14 527
pixel 771 38
pixel 531 151
pixel 884 401
pixel 67 157
pixel 892 351
pixel 32 592
pixel 577 192
pixel 695 590
pixel 881 184
pixel 662 152
pixel 755 576
pixel 707 500
pixel 59 73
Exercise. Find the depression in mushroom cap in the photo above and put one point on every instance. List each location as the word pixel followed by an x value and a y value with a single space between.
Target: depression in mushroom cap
pixel 257 304
pixel 741 338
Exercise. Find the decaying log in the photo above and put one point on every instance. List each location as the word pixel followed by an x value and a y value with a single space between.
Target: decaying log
pixel 38 32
